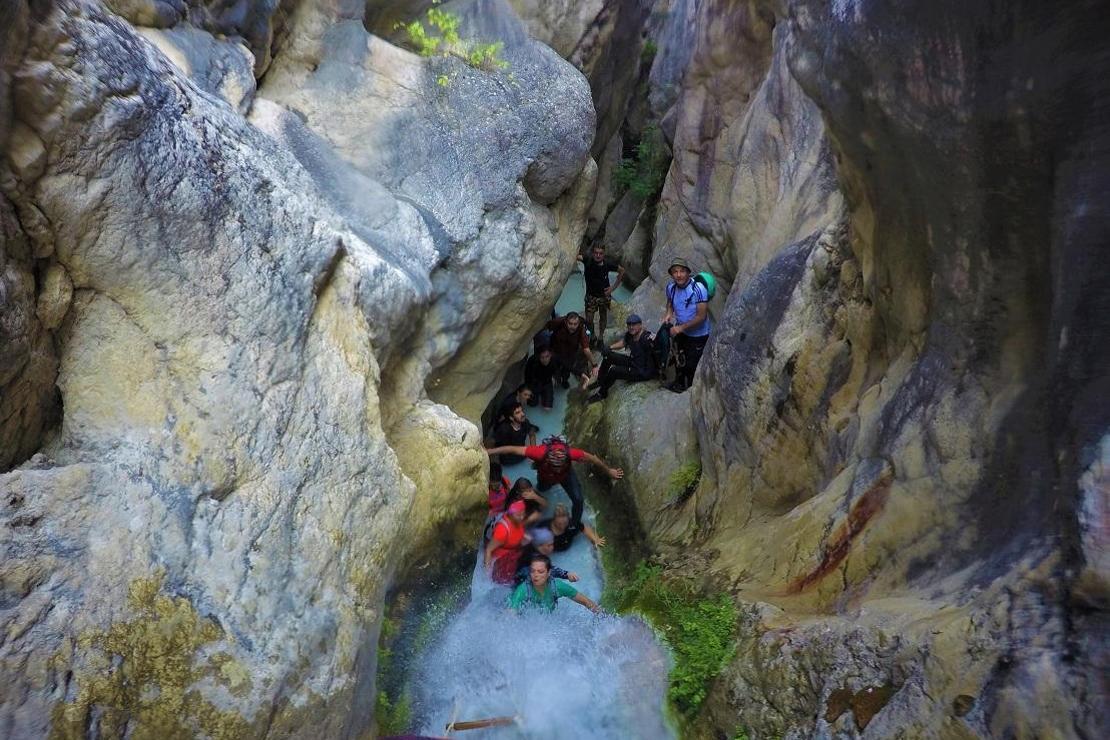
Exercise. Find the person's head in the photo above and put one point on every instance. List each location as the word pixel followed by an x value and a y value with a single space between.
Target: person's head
pixel 635 325
pixel 516 413
pixel 516 493
pixel 539 570
pixel 679 271
pixel 561 517
pixel 572 321
pixel 494 474
pixel 523 393
pixel 543 541
pixel 597 252
pixel 546 353
pixel 516 511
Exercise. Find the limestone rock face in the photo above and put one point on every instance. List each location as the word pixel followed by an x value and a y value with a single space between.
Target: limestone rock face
pixel 900 418
pixel 249 317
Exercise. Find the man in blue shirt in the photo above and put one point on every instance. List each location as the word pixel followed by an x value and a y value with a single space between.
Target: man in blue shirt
pixel 688 312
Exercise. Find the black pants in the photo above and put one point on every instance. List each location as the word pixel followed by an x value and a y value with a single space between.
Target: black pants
pixel 565 368
pixel 543 393
pixel 574 492
pixel 617 367
pixel 687 355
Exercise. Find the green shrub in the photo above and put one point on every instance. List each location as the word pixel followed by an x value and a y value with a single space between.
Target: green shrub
pixel 699 629
pixel 647 52
pixel 644 174
pixel 438 35
pixel 393 717
pixel 684 481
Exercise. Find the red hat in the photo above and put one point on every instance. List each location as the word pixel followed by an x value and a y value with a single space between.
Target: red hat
pixel 516 507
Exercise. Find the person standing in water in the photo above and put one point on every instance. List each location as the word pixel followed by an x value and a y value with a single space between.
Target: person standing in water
pixel 506 540
pixel 541 591
pixel 539 374
pixel 554 467
pixel 515 430
pixel 599 294
pixel 571 345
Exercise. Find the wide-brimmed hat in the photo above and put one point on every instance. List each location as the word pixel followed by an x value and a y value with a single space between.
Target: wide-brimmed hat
pixel 678 262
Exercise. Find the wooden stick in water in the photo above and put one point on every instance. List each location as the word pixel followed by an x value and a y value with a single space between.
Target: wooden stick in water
pixel 477 724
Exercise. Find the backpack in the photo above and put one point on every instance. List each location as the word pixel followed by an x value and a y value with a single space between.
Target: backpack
pixel 553 467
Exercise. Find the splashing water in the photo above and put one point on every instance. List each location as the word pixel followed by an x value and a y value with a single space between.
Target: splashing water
pixel 564 674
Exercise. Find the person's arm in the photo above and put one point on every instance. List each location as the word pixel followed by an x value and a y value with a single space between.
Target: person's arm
pixel 587 602
pixel 619 344
pixel 614 473
pixel 668 317
pixel 531 495
pixel 585 343
pixel 566 575
pixel 511 449
pixel 617 282
pixel 699 318
pixel 492 545
pixel 593 536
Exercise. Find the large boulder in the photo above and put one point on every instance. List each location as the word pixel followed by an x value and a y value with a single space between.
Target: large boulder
pixel 248 317
pixel 900 418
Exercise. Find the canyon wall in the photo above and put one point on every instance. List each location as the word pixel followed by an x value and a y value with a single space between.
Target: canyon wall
pixel 260 271
pixel 900 420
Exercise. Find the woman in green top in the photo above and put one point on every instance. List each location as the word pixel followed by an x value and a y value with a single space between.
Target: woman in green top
pixel 542 591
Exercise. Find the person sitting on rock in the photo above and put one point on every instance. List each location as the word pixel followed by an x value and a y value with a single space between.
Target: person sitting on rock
pixel 505 542
pixel 522 395
pixel 636 366
pixel 563 530
pixel 541 591
pixel 599 293
pixel 571 345
pixel 543 543
pixel 515 430
pixel 554 467
pixel 688 314
pixel 539 375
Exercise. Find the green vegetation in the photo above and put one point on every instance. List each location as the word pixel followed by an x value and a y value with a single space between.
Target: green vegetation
pixel 699 629
pixel 393 718
pixel 647 52
pixel 644 174
pixel 437 35
pixel 684 482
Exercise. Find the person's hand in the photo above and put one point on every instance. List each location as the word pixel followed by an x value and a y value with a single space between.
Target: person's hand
pixel 572 577
pixel 675 331
pixel 599 542
pixel 616 473
pixel 609 292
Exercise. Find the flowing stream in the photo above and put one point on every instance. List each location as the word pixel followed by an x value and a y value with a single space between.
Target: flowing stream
pixel 567 674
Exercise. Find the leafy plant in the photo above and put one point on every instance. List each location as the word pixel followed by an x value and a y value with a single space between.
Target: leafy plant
pixel 699 629
pixel 438 35
pixel 643 175
pixel 647 52
pixel 393 718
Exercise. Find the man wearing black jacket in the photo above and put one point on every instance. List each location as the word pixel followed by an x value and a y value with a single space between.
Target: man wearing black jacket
pixel 637 365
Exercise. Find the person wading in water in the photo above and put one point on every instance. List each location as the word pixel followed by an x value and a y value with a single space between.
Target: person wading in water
pixel 554 467
pixel 541 591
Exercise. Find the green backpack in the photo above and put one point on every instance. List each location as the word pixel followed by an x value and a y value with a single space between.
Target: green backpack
pixel 707 280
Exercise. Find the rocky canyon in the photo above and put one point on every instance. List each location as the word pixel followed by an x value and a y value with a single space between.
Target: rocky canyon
pixel 264 265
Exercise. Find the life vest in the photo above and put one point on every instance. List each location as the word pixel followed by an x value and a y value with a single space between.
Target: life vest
pixel 555 464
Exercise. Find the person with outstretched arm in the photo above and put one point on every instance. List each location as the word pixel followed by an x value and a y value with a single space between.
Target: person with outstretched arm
pixel 541 591
pixel 554 467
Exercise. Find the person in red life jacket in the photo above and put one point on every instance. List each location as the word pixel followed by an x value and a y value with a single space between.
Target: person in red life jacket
pixel 554 467
pixel 505 542
pixel 571 345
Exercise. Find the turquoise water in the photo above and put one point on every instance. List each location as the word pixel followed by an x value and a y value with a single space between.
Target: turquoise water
pixel 568 674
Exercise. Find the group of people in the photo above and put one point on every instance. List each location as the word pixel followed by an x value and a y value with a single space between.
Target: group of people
pixel 521 535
